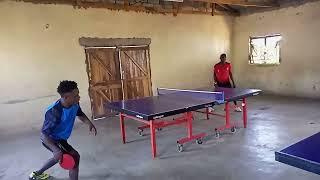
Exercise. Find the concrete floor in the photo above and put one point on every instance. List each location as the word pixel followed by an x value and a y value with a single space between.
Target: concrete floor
pixel 274 123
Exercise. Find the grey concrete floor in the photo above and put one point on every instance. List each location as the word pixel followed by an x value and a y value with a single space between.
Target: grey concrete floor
pixel 274 123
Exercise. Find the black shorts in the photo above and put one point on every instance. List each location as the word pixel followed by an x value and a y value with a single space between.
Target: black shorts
pixel 64 146
pixel 61 144
pixel 224 84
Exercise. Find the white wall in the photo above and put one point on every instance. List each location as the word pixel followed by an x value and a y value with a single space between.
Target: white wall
pixel 299 72
pixel 34 59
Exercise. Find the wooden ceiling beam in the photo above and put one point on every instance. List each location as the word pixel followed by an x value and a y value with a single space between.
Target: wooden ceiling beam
pixel 70 2
pixel 242 3
pixel 228 8
pixel 213 10
pixel 156 9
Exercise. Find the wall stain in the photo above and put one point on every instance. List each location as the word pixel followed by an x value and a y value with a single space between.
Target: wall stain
pixel 17 101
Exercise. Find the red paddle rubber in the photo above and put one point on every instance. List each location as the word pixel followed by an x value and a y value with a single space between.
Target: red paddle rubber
pixel 67 162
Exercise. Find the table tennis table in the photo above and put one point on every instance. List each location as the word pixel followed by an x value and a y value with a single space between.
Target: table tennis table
pixel 304 154
pixel 169 102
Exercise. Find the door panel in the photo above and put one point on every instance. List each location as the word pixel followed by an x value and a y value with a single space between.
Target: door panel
pixel 136 74
pixel 104 79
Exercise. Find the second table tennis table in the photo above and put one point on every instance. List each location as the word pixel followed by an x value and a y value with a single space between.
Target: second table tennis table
pixel 303 154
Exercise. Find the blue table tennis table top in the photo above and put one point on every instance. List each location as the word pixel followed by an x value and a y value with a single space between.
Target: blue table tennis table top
pixel 304 154
pixel 176 101
pixel 233 94
pixel 156 107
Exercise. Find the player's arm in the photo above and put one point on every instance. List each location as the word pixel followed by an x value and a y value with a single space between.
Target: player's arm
pixel 84 118
pixel 231 77
pixel 214 77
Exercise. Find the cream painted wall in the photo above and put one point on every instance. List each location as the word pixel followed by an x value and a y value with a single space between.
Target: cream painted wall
pixel 34 59
pixel 299 72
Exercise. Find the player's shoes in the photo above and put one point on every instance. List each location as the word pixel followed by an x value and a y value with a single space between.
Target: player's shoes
pixel 238 109
pixel 35 176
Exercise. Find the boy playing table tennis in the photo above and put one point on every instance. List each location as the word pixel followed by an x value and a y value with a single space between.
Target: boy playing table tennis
pixel 222 75
pixel 57 127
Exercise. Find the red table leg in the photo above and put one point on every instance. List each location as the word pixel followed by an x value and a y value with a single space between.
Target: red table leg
pixel 227 115
pixel 207 112
pixel 123 132
pixel 190 136
pixel 244 112
pixel 153 139
pixel 155 124
pixel 228 124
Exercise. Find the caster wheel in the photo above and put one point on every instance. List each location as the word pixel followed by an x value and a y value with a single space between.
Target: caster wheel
pixel 159 129
pixel 140 131
pixel 233 129
pixel 199 141
pixel 180 147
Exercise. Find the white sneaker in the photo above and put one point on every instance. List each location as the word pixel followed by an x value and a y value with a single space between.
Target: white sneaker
pixel 238 109
pixel 210 109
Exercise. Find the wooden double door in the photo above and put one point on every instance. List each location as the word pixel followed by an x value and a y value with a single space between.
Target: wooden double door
pixel 117 73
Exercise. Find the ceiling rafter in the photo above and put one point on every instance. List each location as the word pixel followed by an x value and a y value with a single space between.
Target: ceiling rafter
pixel 242 3
pixel 208 7
pixel 227 7
pixel 155 8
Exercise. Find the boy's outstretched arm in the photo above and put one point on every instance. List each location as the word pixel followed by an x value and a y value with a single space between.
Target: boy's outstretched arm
pixel 84 118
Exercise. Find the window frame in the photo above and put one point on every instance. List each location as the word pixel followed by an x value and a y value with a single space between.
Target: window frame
pixel 250 59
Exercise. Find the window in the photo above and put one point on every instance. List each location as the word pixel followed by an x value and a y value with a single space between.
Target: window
pixel 264 49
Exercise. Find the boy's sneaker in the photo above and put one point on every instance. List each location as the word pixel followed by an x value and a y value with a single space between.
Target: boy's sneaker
pixel 35 176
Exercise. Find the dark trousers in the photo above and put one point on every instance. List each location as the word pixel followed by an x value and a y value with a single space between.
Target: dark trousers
pixel 226 85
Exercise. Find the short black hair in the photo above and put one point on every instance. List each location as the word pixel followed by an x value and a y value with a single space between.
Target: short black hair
pixel 223 56
pixel 66 86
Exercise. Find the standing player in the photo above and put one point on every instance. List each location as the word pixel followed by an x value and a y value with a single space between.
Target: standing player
pixel 222 75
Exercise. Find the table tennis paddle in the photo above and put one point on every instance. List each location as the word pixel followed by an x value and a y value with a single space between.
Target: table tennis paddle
pixel 67 162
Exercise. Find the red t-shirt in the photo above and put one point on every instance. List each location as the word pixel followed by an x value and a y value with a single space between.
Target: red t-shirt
pixel 222 72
